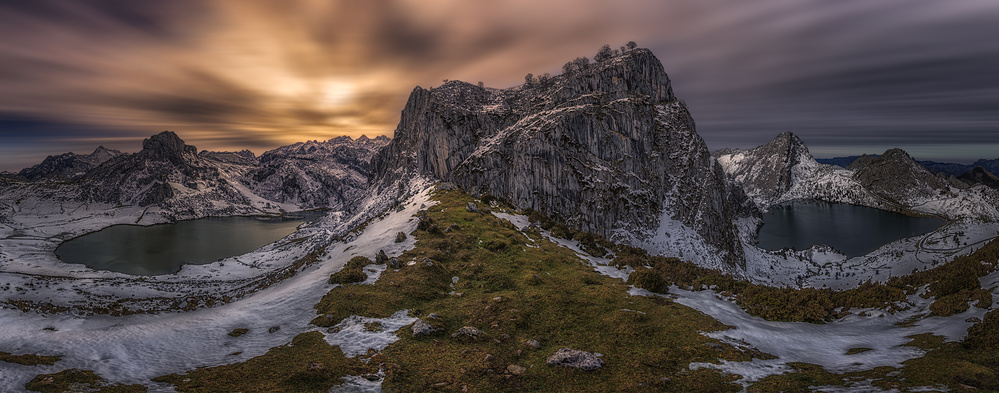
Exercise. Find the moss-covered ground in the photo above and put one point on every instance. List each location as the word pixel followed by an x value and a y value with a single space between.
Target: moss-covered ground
pixel 28 359
pixel 73 380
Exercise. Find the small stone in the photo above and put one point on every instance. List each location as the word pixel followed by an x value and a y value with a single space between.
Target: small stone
pixel 498 299
pixel 434 316
pixel 973 320
pixel 469 332
pixel 273 329
pixel 421 328
pixel 574 358
pixel 505 336
pixel 394 263
pixel 471 207
pixel 488 357
pixel 516 369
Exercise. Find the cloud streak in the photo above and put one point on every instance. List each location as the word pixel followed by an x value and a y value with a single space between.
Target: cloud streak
pixel 230 74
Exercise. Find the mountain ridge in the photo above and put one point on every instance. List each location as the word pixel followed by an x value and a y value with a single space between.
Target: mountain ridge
pixel 607 149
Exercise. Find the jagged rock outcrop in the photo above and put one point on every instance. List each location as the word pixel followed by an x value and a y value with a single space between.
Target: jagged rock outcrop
pixel 242 157
pixel 783 170
pixel 607 149
pixel 980 176
pixel 68 166
pixel 170 175
pixel 768 171
pixel 165 169
pixel 896 177
pixel 316 174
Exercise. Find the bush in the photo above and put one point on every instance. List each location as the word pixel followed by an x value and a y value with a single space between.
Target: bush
pixel 649 279
pixel 400 237
pixel 348 276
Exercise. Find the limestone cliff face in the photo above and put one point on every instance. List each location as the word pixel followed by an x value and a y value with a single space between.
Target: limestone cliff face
pixel 606 148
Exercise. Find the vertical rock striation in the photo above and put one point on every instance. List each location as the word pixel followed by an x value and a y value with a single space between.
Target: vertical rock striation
pixel 607 149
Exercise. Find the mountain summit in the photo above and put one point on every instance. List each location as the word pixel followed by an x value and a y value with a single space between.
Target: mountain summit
pixel 606 148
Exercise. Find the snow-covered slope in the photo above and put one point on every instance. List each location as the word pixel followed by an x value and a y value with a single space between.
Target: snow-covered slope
pixel 168 181
pixel 315 174
pixel 171 178
pixel 783 170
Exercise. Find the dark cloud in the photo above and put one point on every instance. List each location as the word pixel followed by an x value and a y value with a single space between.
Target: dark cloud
pixel 848 76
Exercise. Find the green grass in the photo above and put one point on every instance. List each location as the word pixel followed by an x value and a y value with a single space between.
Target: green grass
pixel 77 381
pixel 28 359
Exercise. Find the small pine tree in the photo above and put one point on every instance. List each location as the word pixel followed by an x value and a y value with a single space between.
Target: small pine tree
pixel 631 45
pixel 603 54
pixel 544 78
pixel 529 79
pixel 482 84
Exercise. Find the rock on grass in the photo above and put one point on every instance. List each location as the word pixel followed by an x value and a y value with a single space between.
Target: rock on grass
pixel 575 358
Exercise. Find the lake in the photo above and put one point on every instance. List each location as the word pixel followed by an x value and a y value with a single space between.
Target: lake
pixel 851 230
pixel 164 248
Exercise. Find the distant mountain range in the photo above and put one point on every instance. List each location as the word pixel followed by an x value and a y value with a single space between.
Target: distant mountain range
pixel 173 176
pixel 952 169
pixel 784 170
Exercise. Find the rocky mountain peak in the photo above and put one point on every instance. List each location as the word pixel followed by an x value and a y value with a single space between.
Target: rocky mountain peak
pixel 895 174
pixel 606 148
pixel 980 175
pixel 166 144
pixel 767 172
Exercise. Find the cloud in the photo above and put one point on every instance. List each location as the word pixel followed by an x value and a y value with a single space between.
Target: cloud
pixel 233 74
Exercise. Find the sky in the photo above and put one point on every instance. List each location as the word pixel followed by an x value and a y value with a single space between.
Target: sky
pixel 847 76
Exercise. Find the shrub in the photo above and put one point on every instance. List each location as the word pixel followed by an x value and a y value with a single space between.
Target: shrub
pixel 649 279
pixel 348 276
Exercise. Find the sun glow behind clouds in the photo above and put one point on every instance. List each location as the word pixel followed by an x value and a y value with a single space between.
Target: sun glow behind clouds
pixel 235 74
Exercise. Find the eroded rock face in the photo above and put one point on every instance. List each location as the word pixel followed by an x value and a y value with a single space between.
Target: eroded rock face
pixel 602 149
pixel 315 174
pixel 766 172
pixel 68 166
pixel 896 177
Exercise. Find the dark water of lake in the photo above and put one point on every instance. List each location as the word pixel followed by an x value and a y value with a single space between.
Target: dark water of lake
pixel 164 248
pixel 852 230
